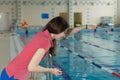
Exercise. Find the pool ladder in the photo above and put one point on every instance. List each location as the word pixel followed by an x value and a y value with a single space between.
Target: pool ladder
pixel 46 76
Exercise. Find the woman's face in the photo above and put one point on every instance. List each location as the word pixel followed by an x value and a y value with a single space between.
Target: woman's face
pixel 59 36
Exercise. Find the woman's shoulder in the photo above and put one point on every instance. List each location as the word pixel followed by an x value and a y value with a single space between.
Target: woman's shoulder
pixel 42 36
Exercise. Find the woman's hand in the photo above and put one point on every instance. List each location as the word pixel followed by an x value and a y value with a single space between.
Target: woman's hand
pixel 56 71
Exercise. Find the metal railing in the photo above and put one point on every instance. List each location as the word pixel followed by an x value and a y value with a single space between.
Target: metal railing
pixel 43 76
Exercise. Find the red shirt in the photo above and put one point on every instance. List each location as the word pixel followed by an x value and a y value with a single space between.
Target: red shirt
pixel 19 65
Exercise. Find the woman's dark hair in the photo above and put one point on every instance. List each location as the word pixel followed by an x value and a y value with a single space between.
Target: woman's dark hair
pixel 56 26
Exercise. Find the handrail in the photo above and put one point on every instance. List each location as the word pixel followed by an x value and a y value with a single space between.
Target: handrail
pixel 49 64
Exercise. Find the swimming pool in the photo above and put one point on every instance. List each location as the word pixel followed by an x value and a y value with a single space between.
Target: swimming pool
pixel 88 55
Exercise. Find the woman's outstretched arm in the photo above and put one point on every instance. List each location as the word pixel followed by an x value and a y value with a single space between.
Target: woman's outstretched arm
pixel 77 29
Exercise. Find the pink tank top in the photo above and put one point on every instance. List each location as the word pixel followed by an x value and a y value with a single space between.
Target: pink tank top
pixel 18 66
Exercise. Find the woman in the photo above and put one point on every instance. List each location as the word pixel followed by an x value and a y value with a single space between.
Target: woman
pixel 37 48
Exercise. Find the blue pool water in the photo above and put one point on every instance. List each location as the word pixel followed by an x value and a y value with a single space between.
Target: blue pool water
pixel 83 55
pixel 102 48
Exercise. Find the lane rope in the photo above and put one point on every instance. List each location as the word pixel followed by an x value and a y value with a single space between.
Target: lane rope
pixel 95 64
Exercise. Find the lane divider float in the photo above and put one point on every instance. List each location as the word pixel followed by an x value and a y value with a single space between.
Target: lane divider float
pixel 95 64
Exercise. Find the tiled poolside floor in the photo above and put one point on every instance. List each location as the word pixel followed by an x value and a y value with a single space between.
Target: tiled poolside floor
pixel 4 50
